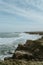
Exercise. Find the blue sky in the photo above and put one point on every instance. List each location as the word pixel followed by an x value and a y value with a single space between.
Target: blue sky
pixel 21 15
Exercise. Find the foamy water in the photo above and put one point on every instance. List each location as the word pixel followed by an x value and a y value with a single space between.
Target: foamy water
pixel 9 41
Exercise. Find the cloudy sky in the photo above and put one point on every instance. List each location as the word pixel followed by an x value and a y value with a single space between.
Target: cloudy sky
pixel 21 15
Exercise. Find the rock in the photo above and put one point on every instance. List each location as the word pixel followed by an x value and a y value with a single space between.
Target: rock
pixel 28 43
pixel 23 55
pixel 17 55
pixel 7 58
pixel 21 47
pixel 29 46
pixel 33 47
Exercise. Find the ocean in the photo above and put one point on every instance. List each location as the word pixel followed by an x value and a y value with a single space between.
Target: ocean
pixel 10 41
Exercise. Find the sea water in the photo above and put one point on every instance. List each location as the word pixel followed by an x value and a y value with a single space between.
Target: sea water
pixel 10 41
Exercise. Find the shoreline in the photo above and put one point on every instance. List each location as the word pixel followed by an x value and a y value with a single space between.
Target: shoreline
pixel 27 54
pixel 24 36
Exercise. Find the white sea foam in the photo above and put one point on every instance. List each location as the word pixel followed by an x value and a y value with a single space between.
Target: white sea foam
pixel 30 36
pixel 21 36
pixel 4 56
pixel 15 40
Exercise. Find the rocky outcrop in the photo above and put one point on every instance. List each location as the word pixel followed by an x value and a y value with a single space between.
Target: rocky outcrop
pixel 31 50
pixel 22 55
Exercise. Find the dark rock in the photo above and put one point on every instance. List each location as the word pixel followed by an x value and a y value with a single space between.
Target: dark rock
pixel 22 55
pixel 7 58
pixel 17 55
pixel 20 47
pixel 33 47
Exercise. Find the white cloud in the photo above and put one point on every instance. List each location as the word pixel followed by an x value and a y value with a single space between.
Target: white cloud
pixel 30 14
pixel 32 9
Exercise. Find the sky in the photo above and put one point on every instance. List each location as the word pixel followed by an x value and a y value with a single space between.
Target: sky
pixel 21 15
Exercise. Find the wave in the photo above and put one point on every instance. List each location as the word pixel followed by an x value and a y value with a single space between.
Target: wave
pixel 20 37
pixel 3 56
pixel 30 36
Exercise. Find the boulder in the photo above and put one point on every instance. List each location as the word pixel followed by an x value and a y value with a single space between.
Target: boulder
pixel 23 55
pixel 21 47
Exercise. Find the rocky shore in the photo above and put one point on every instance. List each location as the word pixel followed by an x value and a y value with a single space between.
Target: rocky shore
pixel 30 53
pixel 38 32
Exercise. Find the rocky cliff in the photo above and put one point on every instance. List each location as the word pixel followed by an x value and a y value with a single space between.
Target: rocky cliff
pixel 31 50
pixel 28 53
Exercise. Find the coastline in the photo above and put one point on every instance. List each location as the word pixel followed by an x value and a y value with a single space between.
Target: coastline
pixel 30 53
pixel 8 45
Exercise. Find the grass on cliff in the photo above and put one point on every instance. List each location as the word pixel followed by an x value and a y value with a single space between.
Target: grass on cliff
pixel 21 62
